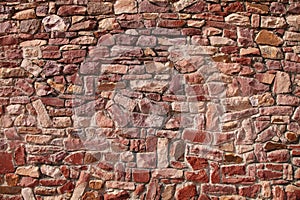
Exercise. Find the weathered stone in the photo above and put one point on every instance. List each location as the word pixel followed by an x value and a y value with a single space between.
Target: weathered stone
pixel 271 146
pixel 277 8
pixel 186 192
pixel 30 26
pixel 99 8
pixel 162 153
pixel 148 41
pixel 271 52
pixel 294 8
pixel 149 86
pixel 25 14
pixel 249 51
pixel 221 41
pixel 126 51
pixel 272 22
pixel 180 5
pixel 146 160
pixel 51 171
pixel 6 166
pixel 125 6
pixel 282 83
pixel 103 121
pixel 10 190
pixel 43 117
pixel 86 25
pixel 68 10
pixel 31 171
pixel 80 185
pixel 96 184
pixel 84 40
pixel 62 122
pixel 171 23
pixel 257 8
pixel 293 20
pixel 54 23
pixel 120 185
pixel 279 156
pixel 291 36
pixel 269 38
pixel 168 192
pixel 141 176
pixel 291 136
pixel 237 19
pixel 12 73
pixel 147 7
pixel 33 43
pixel 116 195
pixel 28 194
pixel 8 40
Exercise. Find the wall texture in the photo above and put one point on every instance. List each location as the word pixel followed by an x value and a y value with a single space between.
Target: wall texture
pixel 149 99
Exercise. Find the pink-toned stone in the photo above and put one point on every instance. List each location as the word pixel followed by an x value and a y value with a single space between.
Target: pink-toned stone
pixel 125 6
pixel 68 10
pixel 282 83
pixel 31 171
pixel 272 22
pixel 25 14
pixel 237 19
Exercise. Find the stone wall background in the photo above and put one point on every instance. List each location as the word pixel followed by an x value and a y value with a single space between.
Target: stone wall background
pixel 153 99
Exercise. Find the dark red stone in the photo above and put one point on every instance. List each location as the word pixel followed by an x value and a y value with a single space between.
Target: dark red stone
pixel 6 164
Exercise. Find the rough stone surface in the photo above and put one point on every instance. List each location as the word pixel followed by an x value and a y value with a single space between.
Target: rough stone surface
pixel 149 99
pixel 125 6
pixel 237 19
pixel 268 38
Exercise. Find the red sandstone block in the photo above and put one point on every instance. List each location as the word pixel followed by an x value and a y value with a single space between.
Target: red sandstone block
pixel 198 176
pixel 6 164
pixel 186 192
pixel 218 189
pixel 197 163
pixel 140 176
pixel 75 158
pixel 171 23
pixel 268 174
pixel 8 40
pixel 250 191
pixel 233 170
pixel 71 10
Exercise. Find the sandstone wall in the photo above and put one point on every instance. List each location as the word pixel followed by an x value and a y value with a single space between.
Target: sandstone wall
pixel 149 99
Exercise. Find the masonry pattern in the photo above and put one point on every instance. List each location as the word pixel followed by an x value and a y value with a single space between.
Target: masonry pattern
pixel 149 99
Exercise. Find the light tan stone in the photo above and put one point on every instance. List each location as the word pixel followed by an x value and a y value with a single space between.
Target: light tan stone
pixel 293 20
pixel 33 43
pixel 125 6
pixel 291 36
pixel 180 5
pixel 282 83
pixel 221 41
pixel 195 23
pixel 108 24
pixel 272 22
pixel 249 51
pixel 25 14
pixel 237 19
pixel 271 52
pixel 43 117
pixel 31 171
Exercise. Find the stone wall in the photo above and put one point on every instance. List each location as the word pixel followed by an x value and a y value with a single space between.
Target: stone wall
pixel 149 99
